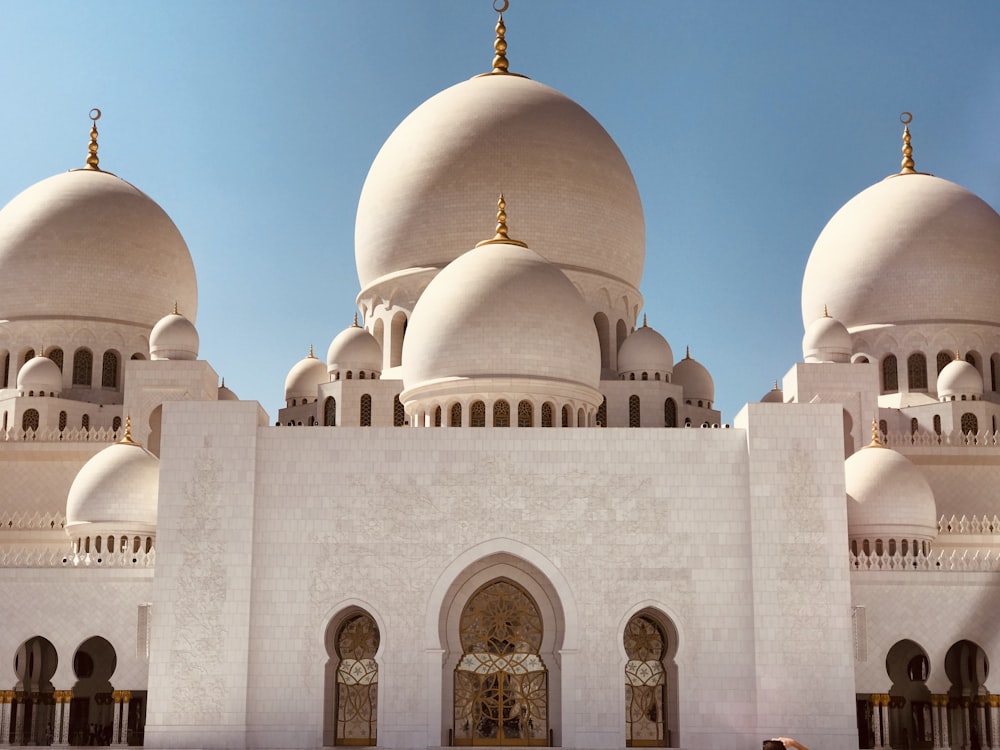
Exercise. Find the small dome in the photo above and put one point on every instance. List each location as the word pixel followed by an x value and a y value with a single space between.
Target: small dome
pixel 695 379
pixel 645 351
pixel 225 394
pixel 40 375
pixel 305 377
pixel 104 248
pixel 117 488
pixel 173 337
pixel 354 349
pixel 887 497
pixel 826 340
pixel 502 318
pixel 938 236
pixel 773 396
pixel 959 378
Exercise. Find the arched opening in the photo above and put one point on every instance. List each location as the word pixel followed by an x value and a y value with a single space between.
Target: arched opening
pixel 566 414
pixel 967 668
pixel 31 721
pixel 603 333
pixel 109 370
pixel 602 413
pixel 651 695
pixel 634 416
pixel 525 414
pixel 501 692
pixel 83 365
pixel 91 713
pixel 378 332
pixel 366 410
pixel 970 425
pixel 916 371
pixel 455 420
pixel 437 416
pixel 397 330
pixel 155 423
pixel 330 412
pixel 621 331
pixel 6 370
pixel 943 358
pixel 669 413
pixel 910 721
pixel 477 414
pixel 398 412
pixel 501 413
pixel 351 691
pixel 848 434
pixel 29 420
pixel 890 378
pixel 547 409
pixel 56 355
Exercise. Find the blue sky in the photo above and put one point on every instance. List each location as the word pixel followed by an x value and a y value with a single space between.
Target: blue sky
pixel 747 125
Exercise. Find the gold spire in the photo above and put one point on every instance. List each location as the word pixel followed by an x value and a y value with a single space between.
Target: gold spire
pixel 500 45
pixel 92 160
pixel 127 437
pixel 687 352
pixel 501 230
pixel 311 355
pixel 356 321
pixel 876 441
pixel 644 321
pixel 775 385
pixel 907 164
pixel 826 313
pixel 175 308
pixel 223 382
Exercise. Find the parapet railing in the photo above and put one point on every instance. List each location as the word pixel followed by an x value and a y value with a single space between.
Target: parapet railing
pixel 969 525
pixel 77 435
pixel 943 560
pixel 957 439
pixel 33 557
pixel 28 520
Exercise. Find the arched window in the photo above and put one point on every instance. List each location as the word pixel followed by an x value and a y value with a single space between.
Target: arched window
pixel 622 333
pixel 29 354
pixel 398 412
pixel 883 428
pixel 140 357
pixel 356 703
pixel 993 372
pixel 456 416
pixel 669 413
pixel 602 326
pixel 366 410
pixel 85 422
pixel 56 355
pixel 477 414
pixel 437 417
pixel 566 415
pixel 397 329
pixel 645 376
pixel 330 412
pixel 937 424
pixel 645 684
pixel 116 424
pixel 890 380
pixel 633 411
pixel 109 370
pixel 581 420
pixel 6 370
pixel 525 414
pixel 547 414
pixel 916 371
pixel 970 425
pixel 501 413
pixel 83 364
pixel 913 426
pixel 501 682
pixel 602 413
pixel 62 421
pixel 30 420
pixel 943 358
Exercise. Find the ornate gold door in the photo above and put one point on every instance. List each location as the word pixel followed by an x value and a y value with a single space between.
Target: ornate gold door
pixel 501 683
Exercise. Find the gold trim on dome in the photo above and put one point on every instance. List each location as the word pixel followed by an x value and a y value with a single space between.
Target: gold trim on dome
pixel 500 62
pixel 355 321
pixel 876 439
pixel 501 231
pixel 127 437
pixel 311 355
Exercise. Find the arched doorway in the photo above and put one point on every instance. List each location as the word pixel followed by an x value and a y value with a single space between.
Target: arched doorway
pixel 34 706
pixel 967 668
pixel 501 683
pixel 91 712
pixel 910 714
pixel 352 642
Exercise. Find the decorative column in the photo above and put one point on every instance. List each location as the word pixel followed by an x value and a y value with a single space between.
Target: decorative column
pixel 60 730
pixel 21 699
pixel 939 720
pixel 878 719
pixel 994 722
pixel 6 698
pixel 965 727
pixel 119 731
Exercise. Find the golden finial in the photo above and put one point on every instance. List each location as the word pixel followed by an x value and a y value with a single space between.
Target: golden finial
pixel 826 313
pixel 92 160
pixel 176 312
pixel 907 164
pixel 876 439
pixel 500 45
pixel 775 385
pixel 223 382
pixel 644 321
pixel 501 230
pixel 356 321
pixel 311 355
pixel 127 437
pixel 687 352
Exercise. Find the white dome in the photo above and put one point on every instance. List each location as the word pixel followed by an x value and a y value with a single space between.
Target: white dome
pixel 645 350
pixel 174 337
pixel 695 379
pixel 826 340
pixel 117 488
pixel 103 248
pixel 225 394
pixel 959 378
pixel 502 318
pixel 421 205
pixel 773 396
pixel 888 497
pixel 937 237
pixel 305 377
pixel 354 349
pixel 41 375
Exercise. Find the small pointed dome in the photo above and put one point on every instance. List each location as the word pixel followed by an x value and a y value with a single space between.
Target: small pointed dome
pixel 695 379
pixel 305 377
pixel 115 491
pixel 959 379
pixel 41 376
pixel 225 394
pixel 826 340
pixel 645 351
pixel 888 498
pixel 174 337
pixel 773 396
pixel 355 350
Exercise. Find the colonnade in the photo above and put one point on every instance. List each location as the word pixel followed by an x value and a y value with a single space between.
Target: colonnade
pixel 957 723
pixel 49 722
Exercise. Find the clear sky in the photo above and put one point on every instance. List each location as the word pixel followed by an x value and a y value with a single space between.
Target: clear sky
pixel 747 125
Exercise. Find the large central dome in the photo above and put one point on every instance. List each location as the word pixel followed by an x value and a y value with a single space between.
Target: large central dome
pixel 422 203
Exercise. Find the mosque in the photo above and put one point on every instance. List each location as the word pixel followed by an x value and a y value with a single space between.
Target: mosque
pixel 501 511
